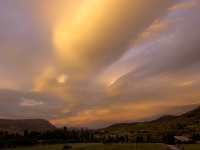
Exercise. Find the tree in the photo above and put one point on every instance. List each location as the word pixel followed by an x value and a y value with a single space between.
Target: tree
pixel 141 138
pixel 87 135
pixel 26 133
pixel 91 137
pixel 117 138
pixel 126 138
pixel 81 135
pixel 169 138
pixel 121 138
pixel 148 138
pixel 104 138
pixel 65 129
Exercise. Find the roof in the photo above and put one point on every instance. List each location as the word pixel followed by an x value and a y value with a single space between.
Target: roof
pixel 182 138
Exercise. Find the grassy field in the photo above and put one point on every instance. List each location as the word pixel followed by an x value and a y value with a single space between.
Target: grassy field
pixel 191 146
pixel 95 146
pixel 122 147
pixel 55 146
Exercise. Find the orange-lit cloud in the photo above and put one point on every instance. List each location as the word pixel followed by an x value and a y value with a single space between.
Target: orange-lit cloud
pixel 185 5
pixel 79 36
pixel 157 28
pixel 187 83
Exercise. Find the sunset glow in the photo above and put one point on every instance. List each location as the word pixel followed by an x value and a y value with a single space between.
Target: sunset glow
pixel 97 62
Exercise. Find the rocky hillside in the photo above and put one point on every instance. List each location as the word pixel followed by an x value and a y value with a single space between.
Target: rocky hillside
pixel 29 124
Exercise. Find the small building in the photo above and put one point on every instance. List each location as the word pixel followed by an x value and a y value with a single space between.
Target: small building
pixel 197 142
pixel 182 139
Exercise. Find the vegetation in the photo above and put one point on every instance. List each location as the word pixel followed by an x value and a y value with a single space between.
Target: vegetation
pixel 35 138
pixel 63 136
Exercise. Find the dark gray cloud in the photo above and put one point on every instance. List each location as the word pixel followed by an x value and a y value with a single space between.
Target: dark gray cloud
pixel 25 45
pixel 11 107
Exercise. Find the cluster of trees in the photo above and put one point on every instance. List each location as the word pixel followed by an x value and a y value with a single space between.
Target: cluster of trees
pixel 69 136
pixel 195 136
pixel 115 139
pixel 168 138
pixel 126 138
pixel 33 138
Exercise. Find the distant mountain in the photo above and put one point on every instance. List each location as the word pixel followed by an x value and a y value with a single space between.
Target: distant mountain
pixel 19 125
pixel 187 122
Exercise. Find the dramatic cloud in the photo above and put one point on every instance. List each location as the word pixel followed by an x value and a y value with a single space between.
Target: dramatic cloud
pixel 89 38
pixel 93 63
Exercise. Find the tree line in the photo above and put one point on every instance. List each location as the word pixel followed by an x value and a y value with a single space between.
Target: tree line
pixel 58 136
pixel 33 138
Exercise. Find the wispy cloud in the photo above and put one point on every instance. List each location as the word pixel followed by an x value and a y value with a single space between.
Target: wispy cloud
pixel 30 102
pixel 188 4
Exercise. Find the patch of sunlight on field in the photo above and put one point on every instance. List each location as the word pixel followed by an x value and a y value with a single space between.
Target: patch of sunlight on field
pixel 191 146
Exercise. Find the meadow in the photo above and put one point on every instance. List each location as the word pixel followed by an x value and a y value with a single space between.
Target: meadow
pixel 99 146
pixel 94 146
pixel 191 146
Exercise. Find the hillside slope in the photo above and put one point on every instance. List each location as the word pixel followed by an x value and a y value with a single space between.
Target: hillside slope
pixel 29 124
pixel 185 123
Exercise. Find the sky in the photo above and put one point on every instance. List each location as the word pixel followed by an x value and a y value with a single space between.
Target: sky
pixel 92 63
